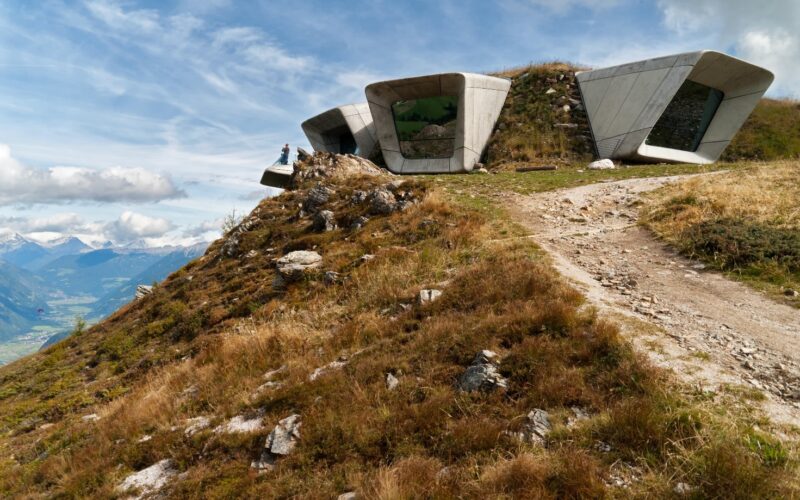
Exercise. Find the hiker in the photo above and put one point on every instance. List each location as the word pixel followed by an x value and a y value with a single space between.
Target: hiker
pixel 284 159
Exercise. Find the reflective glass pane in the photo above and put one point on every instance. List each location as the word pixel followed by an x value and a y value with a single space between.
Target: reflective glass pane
pixel 687 117
pixel 426 127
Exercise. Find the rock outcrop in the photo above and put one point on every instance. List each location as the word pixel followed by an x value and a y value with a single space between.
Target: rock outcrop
pixel 281 441
pixel 482 374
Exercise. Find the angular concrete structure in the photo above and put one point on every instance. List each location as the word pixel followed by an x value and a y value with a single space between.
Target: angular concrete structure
pixel 277 175
pixel 437 123
pixel 683 108
pixel 343 130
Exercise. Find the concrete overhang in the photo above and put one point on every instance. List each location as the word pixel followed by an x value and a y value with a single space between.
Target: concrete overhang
pixel 344 129
pixel 480 99
pixel 625 103
pixel 277 176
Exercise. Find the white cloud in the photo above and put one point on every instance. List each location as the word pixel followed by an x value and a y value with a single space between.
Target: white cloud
pixel 208 226
pixel 114 15
pixel 357 79
pixel 59 223
pixel 253 46
pixel 20 184
pixel 766 33
pixel 132 226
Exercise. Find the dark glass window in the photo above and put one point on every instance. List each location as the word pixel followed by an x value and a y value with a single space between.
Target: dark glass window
pixel 426 127
pixel 341 139
pixel 687 117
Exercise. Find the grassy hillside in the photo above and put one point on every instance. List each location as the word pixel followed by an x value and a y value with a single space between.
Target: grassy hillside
pixel 535 127
pixel 746 223
pixel 200 346
pixel 772 132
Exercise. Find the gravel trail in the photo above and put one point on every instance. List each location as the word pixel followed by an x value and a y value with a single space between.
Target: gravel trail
pixel 710 330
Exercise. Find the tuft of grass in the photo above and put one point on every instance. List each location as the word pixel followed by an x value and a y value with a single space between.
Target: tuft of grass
pixel 745 223
pixel 772 132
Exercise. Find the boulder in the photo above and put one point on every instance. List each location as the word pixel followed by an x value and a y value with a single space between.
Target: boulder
pixel 303 155
pixel 230 248
pixel 324 221
pixel 329 165
pixel 482 374
pixel 241 425
pixel 195 425
pixel 317 197
pixel 536 427
pixel 427 296
pixel 322 370
pixel 283 438
pixel 604 164
pixel 358 197
pixel 292 266
pixel 143 290
pixel 332 278
pixel 391 382
pixel 149 480
pixel 281 441
pixel 381 202
pixel 360 222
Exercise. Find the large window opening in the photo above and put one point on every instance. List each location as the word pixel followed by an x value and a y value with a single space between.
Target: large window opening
pixel 687 117
pixel 426 127
pixel 343 139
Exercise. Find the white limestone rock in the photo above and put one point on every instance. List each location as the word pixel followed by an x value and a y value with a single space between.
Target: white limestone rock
pixel 604 164
pixel 195 425
pixel 283 438
pixel 293 265
pixel 241 424
pixel 427 296
pixel 150 480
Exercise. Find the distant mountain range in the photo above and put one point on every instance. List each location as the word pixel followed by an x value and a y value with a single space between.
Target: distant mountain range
pixel 44 286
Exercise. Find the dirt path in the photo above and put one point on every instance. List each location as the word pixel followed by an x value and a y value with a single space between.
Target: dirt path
pixel 712 331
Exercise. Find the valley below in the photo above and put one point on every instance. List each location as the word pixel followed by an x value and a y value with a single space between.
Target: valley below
pixel 46 290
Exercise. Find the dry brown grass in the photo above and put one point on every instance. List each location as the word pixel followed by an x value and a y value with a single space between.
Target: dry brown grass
pixel 746 222
pixel 767 193
pixel 423 440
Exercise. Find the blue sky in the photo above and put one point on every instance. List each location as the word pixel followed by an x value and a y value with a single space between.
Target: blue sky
pixel 144 119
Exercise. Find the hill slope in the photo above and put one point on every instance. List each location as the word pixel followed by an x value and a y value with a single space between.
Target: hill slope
pixel 23 300
pixel 193 378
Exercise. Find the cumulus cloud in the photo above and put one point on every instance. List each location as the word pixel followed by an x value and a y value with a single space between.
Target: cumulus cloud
pixel 766 33
pixel 132 226
pixel 58 223
pixel 20 184
pixel 208 226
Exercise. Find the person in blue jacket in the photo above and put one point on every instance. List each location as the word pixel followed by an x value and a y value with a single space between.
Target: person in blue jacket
pixel 284 159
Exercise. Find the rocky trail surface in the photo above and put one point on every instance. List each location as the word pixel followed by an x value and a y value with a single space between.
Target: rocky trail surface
pixel 710 330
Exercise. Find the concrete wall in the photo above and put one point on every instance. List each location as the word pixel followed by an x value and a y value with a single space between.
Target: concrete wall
pixel 354 117
pixel 480 100
pixel 624 103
